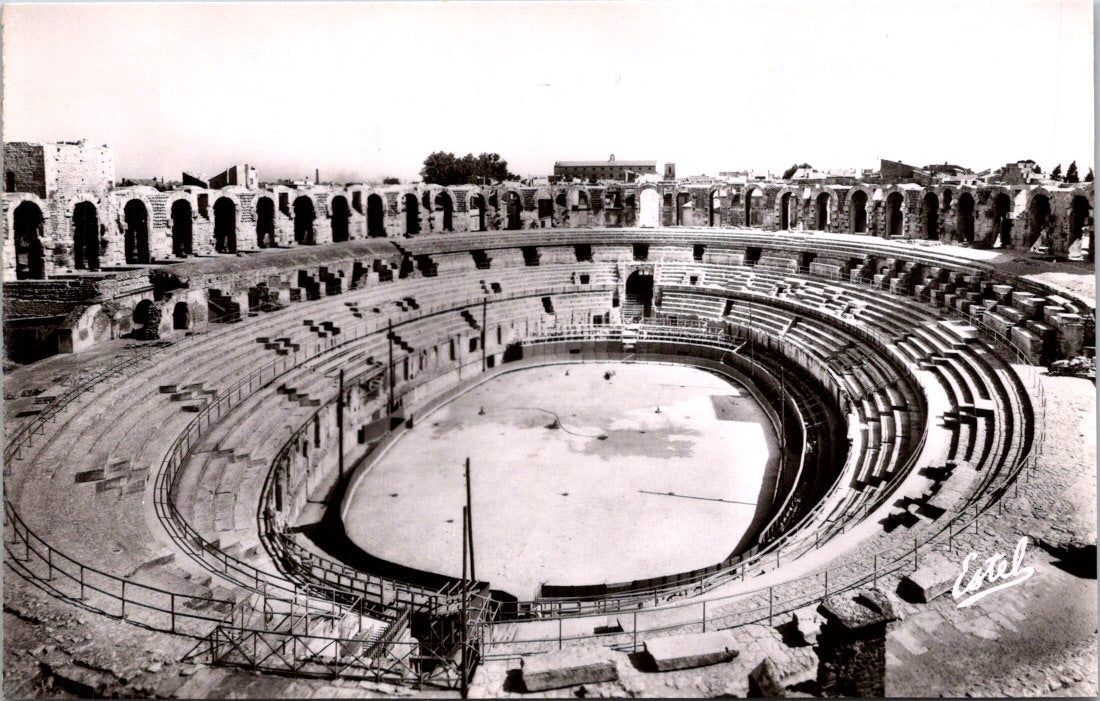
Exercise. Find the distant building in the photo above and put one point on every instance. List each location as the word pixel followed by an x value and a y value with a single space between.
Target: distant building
pixel 243 175
pixel 1019 173
pixel 625 171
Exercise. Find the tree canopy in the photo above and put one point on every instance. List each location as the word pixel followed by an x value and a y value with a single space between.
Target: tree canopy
pixel 1088 178
pixel 1056 174
pixel 446 169
pixel 787 174
pixel 1071 173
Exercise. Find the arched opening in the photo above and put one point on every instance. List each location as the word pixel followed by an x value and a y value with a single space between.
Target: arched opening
pixel 964 218
pixel 1038 219
pixel 225 225
pixel 559 199
pixel 412 214
pixel 682 201
pixel 785 212
pixel 181 316
pixel 931 207
pixel 639 297
pixel 822 212
pixel 146 318
pixel 715 214
pixel 649 211
pixel 304 214
pixel 30 258
pixel 136 238
pixel 859 212
pixel 895 216
pixel 582 199
pixel 85 236
pixel 376 216
pixel 265 222
pixel 1078 220
pixel 1002 223
pixel 477 213
pixel 514 206
pixel 340 213
pixel 445 204
pixel 752 217
pixel 182 219
pixel 613 199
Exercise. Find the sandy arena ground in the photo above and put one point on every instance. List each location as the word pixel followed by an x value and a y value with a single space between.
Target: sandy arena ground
pixel 560 505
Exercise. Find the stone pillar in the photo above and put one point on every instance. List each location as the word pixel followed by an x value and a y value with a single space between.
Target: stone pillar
pixel 852 645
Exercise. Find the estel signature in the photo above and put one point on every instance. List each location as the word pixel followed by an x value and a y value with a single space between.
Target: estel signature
pixel 996 569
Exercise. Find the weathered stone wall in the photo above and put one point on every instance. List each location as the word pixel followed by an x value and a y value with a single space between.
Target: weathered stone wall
pixel 54 178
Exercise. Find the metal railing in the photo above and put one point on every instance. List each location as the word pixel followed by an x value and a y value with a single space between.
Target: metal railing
pixel 31 558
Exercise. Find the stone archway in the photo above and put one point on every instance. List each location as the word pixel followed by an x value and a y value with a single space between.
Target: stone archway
pixel 445 204
pixel 930 207
pixel 304 215
pixel 338 209
pixel 964 218
pixel 265 222
pixel 225 225
pixel 182 221
pixel 858 212
pixel 376 216
pixel 85 236
pixel 895 214
pixel 30 256
pixel 136 236
pixel 412 214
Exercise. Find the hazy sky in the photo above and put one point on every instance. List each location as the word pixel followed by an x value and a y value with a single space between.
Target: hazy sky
pixel 362 90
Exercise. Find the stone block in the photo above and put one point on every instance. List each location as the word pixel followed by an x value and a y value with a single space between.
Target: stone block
pixel 569 667
pixel 933 579
pixel 692 650
pixel 1003 293
pixel 764 681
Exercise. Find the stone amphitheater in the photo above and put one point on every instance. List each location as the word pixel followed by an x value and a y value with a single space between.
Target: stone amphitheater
pixel 193 377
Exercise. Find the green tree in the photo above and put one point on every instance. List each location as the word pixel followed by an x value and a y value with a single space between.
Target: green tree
pixel 1071 173
pixel 1088 178
pixel 1056 174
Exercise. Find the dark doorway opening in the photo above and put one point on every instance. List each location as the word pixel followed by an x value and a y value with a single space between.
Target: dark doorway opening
pixel 181 316
pixel 182 220
pixel 136 238
pixel 30 257
pixel 859 212
pixel 85 237
pixel 964 218
pixel 412 214
pixel 376 217
pixel 225 225
pixel 265 222
pixel 340 213
pixel 895 217
pixel 931 206
pixel 304 214
pixel 639 297
pixel 822 218
pixel 514 207
pixel 445 204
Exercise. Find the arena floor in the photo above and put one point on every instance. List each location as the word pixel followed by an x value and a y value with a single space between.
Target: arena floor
pixel 663 492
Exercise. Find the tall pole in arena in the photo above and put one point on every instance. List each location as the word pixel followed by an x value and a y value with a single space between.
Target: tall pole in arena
pixel 462 630
pixel 470 521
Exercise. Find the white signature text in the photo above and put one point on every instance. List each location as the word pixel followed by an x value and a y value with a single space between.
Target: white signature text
pixel 996 569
